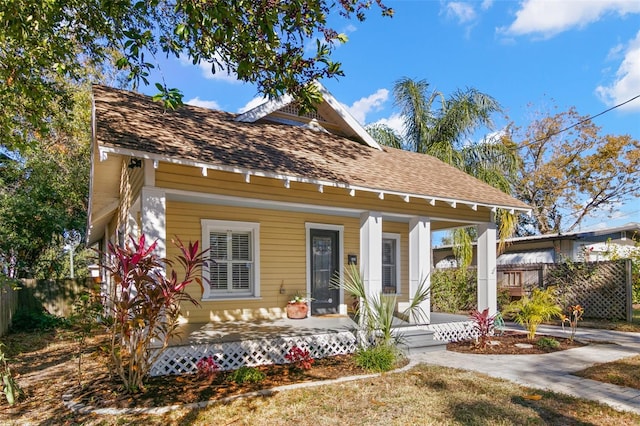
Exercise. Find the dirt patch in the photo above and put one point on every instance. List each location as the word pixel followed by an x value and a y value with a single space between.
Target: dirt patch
pixel 513 343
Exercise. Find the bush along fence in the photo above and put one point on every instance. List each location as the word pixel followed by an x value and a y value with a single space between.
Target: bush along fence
pixel 604 289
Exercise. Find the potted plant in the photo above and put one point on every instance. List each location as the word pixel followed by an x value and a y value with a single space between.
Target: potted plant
pixel 298 307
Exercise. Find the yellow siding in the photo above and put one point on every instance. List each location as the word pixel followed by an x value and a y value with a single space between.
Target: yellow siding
pixel 282 233
pixel 233 184
pixel 282 255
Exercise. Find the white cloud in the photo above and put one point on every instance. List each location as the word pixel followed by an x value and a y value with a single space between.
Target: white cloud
pixel 203 103
pixel 221 74
pixel 463 12
pixel 395 122
pixel 626 84
pixel 257 101
pixel 548 18
pixel 363 106
pixel 486 4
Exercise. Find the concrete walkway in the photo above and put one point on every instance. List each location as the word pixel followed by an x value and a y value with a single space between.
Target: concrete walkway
pixel 553 371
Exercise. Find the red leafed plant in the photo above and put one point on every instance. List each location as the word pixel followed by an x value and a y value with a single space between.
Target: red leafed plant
pixel 207 366
pixel 144 304
pixel 483 323
pixel 300 358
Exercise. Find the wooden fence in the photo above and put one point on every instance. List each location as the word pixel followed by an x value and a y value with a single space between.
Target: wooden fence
pixel 8 306
pixel 604 289
pixel 53 296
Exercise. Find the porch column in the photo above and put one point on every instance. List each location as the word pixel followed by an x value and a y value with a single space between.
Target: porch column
pixel 153 217
pixel 371 252
pixel 487 282
pixel 420 265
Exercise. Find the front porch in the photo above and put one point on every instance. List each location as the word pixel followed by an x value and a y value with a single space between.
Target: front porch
pixel 235 344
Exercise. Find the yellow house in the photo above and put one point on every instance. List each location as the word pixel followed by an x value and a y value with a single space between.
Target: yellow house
pixel 282 201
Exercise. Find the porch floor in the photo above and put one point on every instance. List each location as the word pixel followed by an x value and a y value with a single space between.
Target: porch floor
pixel 234 331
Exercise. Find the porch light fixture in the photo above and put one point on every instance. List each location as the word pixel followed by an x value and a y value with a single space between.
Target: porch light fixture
pixel 381 195
pixel 134 163
pixel 352 192
pixel 321 188
pixel 247 177
pixel 104 156
pixel 287 183
pixel 453 204
pixel 432 201
pixel 474 207
pixel 204 171
pixel 155 164
pixel 406 198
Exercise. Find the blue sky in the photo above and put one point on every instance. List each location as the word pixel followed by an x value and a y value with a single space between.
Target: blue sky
pixel 530 56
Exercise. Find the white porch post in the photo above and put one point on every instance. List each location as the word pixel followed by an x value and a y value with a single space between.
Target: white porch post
pixel 371 252
pixel 487 281
pixel 153 207
pixel 420 264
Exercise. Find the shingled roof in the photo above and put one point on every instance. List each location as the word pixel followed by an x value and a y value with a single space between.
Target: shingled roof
pixel 126 121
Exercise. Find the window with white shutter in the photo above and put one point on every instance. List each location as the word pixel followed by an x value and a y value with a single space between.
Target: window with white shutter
pixel 233 267
pixel 390 263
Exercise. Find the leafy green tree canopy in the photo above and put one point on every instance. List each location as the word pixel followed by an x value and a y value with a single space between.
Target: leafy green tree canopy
pixel 262 41
pixel 43 193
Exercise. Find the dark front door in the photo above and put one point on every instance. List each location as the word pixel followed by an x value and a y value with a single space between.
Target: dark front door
pixel 324 252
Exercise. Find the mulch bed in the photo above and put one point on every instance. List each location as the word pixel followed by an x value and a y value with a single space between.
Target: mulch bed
pixel 505 344
pixel 102 392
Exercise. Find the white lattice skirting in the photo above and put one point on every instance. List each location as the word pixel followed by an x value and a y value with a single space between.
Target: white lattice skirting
pixel 233 355
pixel 453 331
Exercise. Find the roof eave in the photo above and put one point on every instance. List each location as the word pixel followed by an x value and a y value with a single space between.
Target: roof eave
pixel 381 192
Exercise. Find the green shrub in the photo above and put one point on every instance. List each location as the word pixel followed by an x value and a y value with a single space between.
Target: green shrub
pixel 377 358
pixel 453 290
pixel 246 374
pixel 548 343
pixel 28 321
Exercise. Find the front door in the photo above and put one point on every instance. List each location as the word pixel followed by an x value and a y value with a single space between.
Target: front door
pixel 324 252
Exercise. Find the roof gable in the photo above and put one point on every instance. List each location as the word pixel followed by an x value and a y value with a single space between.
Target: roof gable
pixel 331 116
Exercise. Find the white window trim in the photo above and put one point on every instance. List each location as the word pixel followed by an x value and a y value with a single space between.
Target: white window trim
pixel 393 236
pixel 209 225
pixel 340 228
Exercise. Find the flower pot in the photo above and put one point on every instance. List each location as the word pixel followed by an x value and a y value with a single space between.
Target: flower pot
pixel 297 310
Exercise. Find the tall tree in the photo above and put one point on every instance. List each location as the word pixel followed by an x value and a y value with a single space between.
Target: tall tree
pixel 566 176
pixel 262 41
pixel 441 126
pixel 43 194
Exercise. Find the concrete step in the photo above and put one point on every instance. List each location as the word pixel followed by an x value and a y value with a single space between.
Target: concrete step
pixel 413 341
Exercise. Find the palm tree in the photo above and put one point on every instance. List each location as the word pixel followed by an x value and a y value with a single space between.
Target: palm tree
pixel 441 127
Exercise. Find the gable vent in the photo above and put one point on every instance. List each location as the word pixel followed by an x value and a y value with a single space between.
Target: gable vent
pixel 293 109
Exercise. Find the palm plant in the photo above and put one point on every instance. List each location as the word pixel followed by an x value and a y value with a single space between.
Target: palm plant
pixel 441 127
pixel 530 312
pixel 376 311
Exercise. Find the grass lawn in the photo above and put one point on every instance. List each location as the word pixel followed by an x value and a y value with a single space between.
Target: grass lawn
pixel 423 395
